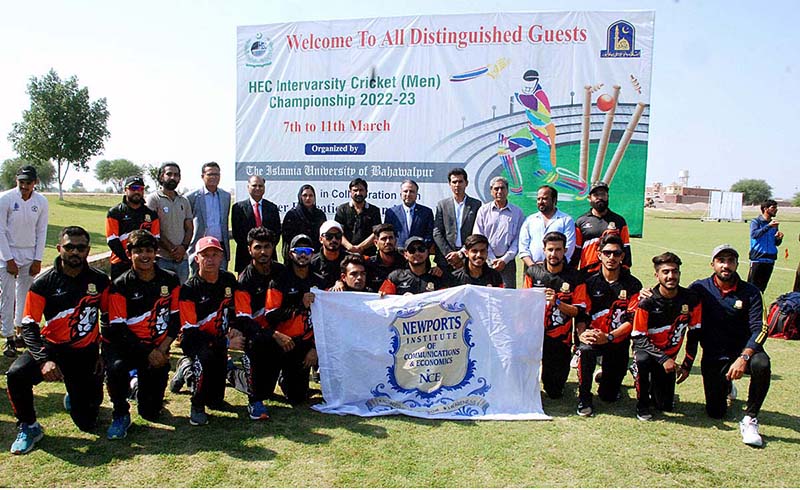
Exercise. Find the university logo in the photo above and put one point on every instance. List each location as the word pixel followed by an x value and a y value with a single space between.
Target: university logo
pixel 431 345
pixel 258 51
pixel 620 41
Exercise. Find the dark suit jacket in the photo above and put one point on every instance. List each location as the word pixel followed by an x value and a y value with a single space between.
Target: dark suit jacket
pixel 444 227
pixel 421 223
pixel 243 219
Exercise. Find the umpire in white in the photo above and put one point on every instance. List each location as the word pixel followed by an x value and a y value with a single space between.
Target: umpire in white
pixel 23 231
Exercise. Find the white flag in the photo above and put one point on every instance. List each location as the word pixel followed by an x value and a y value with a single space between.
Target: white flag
pixel 461 353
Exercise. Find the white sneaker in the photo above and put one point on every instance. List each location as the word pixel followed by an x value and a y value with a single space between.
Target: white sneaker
pixel 573 363
pixel 749 429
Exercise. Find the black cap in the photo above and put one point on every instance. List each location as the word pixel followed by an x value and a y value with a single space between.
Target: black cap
pixel 597 186
pixel 135 180
pixel 413 239
pixel 300 238
pixel 28 172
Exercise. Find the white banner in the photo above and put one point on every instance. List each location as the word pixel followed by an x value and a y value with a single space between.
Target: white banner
pixel 558 98
pixel 461 353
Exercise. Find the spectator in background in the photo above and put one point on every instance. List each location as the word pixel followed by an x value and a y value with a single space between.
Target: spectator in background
pixel 500 222
pixel 250 213
pixel 175 221
pixel 23 232
pixel 410 218
pixel 210 206
pixel 129 215
pixel 357 218
pixel 764 241
pixel 305 218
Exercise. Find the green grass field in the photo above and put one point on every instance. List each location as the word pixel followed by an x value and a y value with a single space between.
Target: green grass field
pixel 300 447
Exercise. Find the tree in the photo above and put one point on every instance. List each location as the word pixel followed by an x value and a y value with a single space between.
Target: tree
pixel 77 186
pixel 9 168
pixel 115 172
pixel 755 191
pixel 796 199
pixel 152 172
pixel 62 125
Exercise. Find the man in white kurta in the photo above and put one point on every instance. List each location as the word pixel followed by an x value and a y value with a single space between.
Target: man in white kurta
pixel 23 231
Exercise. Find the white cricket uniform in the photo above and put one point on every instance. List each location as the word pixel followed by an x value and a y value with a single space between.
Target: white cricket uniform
pixel 23 232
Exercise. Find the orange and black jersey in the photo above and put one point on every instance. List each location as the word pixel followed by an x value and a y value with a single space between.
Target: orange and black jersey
pixel 121 220
pixel 609 305
pixel 72 307
pixel 659 323
pixel 293 318
pixel 488 277
pixel 589 230
pixel 208 309
pixel 404 281
pixel 141 314
pixel 329 270
pixel 557 325
pixel 263 295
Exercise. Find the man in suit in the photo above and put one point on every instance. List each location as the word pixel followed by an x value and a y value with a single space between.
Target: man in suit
pixel 252 213
pixel 409 218
pixel 455 219
pixel 210 207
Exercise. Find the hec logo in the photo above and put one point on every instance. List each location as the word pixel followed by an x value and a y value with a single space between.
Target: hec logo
pixel 620 41
pixel 258 51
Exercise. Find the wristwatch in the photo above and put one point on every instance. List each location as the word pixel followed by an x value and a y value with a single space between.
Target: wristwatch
pixel 746 357
pixel 610 337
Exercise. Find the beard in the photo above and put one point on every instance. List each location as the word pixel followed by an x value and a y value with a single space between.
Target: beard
pixel 600 206
pixel 359 199
pixel 169 185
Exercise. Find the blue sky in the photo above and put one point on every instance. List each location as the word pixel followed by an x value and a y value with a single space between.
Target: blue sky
pixel 724 101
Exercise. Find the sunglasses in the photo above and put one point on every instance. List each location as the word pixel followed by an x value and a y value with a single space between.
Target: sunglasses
pixel 303 250
pixel 609 253
pixel 332 236
pixel 70 247
pixel 417 248
pixel 136 187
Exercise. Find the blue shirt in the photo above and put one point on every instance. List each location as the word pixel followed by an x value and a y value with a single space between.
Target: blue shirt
pixel 213 214
pixel 534 229
pixel 763 244
pixel 501 226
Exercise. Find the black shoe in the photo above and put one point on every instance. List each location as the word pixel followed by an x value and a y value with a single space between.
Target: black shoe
pixel 182 371
pixel 644 414
pixel 11 348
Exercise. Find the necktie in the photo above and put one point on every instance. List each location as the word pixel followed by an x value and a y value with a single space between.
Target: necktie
pixel 257 213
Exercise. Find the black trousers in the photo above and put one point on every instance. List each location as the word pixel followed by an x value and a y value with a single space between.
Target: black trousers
pixel 286 368
pixel 759 274
pixel 152 382
pixel 615 365
pixel 209 366
pixel 716 387
pixel 260 369
pixel 653 383
pixel 84 386
pixel 556 356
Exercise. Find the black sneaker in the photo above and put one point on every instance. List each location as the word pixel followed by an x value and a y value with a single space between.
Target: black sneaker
pixel 585 410
pixel 11 348
pixel 644 414
pixel 182 370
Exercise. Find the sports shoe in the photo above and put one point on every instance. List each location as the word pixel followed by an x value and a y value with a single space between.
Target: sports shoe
pixel 749 430
pixel 182 371
pixel 11 347
pixel 119 427
pixel 644 415
pixel 257 411
pixel 573 363
pixel 27 437
pixel 133 393
pixel 197 416
pixel 67 403
pixel 585 410
pixel 598 375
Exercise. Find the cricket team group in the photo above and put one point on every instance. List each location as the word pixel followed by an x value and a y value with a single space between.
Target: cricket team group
pixel 170 283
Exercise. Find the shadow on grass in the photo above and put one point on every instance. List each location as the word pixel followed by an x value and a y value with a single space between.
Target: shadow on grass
pixel 84 205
